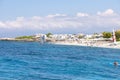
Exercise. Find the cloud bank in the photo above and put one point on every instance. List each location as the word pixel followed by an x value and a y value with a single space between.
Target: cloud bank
pixel 80 21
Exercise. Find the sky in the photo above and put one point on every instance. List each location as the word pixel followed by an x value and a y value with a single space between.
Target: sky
pixel 28 17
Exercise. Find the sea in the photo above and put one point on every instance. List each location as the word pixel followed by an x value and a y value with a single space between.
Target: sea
pixel 36 61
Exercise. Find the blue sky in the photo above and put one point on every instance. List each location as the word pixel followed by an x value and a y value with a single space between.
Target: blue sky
pixel 26 17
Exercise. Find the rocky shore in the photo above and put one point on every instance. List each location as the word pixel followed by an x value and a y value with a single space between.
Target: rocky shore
pixel 13 39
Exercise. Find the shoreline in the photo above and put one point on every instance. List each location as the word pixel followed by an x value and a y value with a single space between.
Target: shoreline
pixel 102 44
pixel 106 45
pixel 13 39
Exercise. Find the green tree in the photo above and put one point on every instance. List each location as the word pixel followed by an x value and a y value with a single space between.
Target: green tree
pixel 48 35
pixel 117 34
pixel 107 34
pixel 25 37
pixel 80 36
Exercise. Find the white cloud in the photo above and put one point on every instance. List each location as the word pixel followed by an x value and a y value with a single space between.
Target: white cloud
pixel 108 12
pixel 36 17
pixel 2 24
pixel 62 21
pixel 20 18
pixel 82 14
pixel 56 15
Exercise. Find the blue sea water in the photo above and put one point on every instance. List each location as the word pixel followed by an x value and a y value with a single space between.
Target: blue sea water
pixel 35 61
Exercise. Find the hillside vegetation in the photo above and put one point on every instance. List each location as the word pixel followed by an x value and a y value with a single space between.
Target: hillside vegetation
pixel 25 37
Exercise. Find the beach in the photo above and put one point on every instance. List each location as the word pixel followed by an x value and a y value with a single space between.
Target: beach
pixel 103 44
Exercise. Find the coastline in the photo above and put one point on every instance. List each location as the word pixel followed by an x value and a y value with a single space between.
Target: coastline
pixel 101 45
pixel 13 39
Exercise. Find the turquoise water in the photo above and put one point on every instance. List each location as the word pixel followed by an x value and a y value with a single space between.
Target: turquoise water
pixel 35 61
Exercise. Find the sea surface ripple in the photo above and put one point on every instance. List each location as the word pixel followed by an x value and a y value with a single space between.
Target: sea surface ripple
pixel 35 61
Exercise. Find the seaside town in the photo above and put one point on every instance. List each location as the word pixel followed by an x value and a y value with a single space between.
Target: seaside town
pixel 60 40
pixel 105 39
